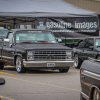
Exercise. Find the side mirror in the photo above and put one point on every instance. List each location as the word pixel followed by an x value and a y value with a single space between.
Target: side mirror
pixel 90 47
pixel 6 41
pixel 2 81
pixel 59 40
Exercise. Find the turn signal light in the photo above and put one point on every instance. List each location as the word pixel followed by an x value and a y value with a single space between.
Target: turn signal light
pixel 82 71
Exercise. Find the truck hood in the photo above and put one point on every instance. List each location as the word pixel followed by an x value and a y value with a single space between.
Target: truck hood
pixel 2 35
pixel 42 46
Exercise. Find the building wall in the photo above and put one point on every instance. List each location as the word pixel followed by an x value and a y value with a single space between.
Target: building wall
pixel 86 4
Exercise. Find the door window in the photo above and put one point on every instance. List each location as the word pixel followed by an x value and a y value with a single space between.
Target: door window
pixel 83 43
pixel 90 42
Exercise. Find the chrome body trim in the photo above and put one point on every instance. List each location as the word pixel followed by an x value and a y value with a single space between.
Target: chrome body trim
pixel 85 96
pixel 91 74
pixel 7 57
pixel 68 63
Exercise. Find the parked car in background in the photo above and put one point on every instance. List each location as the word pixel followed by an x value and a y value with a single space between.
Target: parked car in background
pixel 90 80
pixel 89 47
pixel 34 49
pixel 3 33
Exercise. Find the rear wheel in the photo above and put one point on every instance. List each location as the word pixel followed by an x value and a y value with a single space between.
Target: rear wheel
pixel 19 67
pixel 96 94
pixel 77 61
pixel 64 70
pixel 1 65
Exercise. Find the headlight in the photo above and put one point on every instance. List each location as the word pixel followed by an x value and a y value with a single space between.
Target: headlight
pixel 30 55
pixel 68 55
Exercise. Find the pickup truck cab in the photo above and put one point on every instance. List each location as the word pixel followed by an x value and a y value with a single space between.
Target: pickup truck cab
pixel 34 49
pixel 90 79
pixel 89 47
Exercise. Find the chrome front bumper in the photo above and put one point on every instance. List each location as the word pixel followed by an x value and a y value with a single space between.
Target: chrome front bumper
pixel 68 63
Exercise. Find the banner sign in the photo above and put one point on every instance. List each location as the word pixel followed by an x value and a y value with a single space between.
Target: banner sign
pixel 69 27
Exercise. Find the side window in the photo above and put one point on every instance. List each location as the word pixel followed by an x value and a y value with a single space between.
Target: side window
pixel 83 43
pixel 90 42
pixel 10 37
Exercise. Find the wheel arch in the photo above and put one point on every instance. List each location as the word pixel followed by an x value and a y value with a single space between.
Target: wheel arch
pixel 15 56
pixel 76 53
pixel 97 55
pixel 92 90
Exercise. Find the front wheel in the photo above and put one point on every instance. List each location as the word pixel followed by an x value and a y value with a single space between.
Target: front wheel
pixel 96 94
pixel 77 61
pixel 64 70
pixel 98 58
pixel 19 67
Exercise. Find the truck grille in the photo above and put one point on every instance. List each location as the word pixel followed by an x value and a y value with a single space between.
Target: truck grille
pixel 49 55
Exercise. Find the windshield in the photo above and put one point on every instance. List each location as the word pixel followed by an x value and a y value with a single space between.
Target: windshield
pixel 3 31
pixel 35 37
pixel 97 42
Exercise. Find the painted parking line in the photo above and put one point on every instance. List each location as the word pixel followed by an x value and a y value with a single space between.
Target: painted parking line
pixel 6 73
pixel 2 97
pixel 41 83
pixel 75 70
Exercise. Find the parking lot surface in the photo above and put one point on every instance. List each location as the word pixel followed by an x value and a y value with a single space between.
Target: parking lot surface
pixel 40 85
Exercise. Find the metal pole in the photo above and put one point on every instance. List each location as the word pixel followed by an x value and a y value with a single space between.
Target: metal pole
pixel 14 23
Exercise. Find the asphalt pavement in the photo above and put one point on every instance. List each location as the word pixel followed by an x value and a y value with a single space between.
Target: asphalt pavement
pixel 40 85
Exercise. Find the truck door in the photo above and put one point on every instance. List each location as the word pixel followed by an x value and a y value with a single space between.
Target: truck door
pixel 81 49
pixel 7 51
pixel 87 52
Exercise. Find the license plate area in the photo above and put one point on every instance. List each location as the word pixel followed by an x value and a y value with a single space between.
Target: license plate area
pixel 50 64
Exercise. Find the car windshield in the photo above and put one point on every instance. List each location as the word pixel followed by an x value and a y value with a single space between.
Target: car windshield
pixel 3 31
pixel 35 37
pixel 97 42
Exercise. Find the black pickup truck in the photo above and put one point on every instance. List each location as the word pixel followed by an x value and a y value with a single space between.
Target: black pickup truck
pixel 89 47
pixel 90 80
pixel 34 49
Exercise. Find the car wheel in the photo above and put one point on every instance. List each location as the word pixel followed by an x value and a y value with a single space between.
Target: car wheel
pixel 19 67
pixel 96 94
pixel 77 61
pixel 64 70
pixel 1 65
pixel 98 58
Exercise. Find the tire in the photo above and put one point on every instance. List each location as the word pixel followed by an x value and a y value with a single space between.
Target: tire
pixel 19 66
pixel 64 70
pixel 98 58
pixel 96 94
pixel 1 65
pixel 77 61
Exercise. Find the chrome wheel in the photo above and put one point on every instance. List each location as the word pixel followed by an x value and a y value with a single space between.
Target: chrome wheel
pixel 18 64
pixel 76 60
pixel 98 58
pixel 96 94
